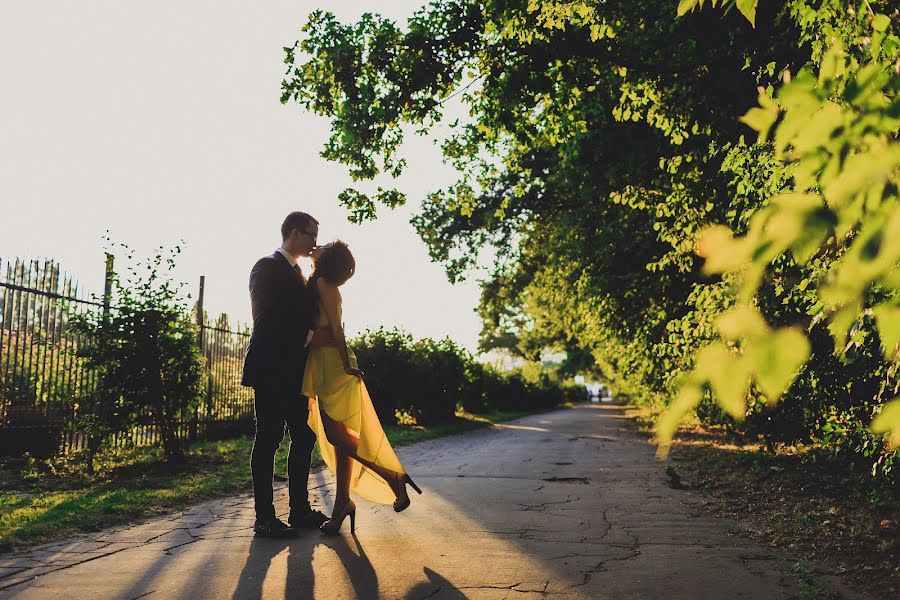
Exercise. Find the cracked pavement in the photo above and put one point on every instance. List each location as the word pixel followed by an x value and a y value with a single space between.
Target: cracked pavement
pixel 568 504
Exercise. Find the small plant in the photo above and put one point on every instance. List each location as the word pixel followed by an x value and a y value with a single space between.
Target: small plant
pixel 674 478
pixel 809 587
pixel 145 353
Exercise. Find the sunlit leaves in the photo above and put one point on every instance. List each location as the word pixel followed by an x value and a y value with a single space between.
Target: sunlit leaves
pixel 776 359
pixel 741 322
pixel 873 255
pixel 887 317
pixel 749 351
pixel 685 6
pixel 747 7
pixel 838 131
pixel 761 119
pixel 370 78
pixel 599 144
pixel 880 23
pixel 833 64
pixel 554 14
pixel 863 172
pixel 722 250
pixel 689 395
pixel 798 222
pixel 818 129
pixel 888 422
pixel 727 374
pixel 362 207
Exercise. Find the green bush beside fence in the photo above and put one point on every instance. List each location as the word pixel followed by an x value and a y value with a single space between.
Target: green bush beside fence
pixel 424 380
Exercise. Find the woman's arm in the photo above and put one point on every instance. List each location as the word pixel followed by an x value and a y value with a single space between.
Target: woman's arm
pixel 331 298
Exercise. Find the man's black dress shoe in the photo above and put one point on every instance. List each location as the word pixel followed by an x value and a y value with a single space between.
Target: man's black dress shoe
pixel 273 528
pixel 311 519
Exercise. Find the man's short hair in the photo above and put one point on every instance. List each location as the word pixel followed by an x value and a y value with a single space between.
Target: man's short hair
pixel 296 220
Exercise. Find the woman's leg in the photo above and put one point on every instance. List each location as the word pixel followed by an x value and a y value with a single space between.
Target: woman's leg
pixel 345 441
pixel 344 470
pixel 343 466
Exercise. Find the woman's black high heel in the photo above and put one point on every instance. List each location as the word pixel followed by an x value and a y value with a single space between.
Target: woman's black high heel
pixel 333 525
pixel 402 502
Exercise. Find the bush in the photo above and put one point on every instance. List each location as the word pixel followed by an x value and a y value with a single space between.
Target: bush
pixel 386 358
pixel 28 431
pixel 474 395
pixel 146 355
pixel 436 382
pixel 430 379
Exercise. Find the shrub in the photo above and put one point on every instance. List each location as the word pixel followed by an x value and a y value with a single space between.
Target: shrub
pixel 145 353
pixel 386 358
pixel 430 379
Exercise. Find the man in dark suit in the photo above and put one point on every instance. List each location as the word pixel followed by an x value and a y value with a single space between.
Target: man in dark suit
pixel 283 314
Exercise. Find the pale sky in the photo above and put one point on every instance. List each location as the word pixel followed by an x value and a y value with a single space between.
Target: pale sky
pixel 160 121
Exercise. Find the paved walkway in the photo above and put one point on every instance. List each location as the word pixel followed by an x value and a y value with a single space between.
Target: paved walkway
pixel 568 504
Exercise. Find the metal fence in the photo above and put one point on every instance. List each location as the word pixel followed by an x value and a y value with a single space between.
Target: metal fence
pixel 43 382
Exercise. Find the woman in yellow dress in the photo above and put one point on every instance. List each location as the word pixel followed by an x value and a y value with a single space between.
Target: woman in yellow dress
pixel 351 439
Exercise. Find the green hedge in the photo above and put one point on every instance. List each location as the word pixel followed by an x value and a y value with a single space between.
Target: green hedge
pixel 429 380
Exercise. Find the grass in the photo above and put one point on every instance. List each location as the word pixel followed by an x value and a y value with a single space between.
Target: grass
pixel 48 501
pixel 808 586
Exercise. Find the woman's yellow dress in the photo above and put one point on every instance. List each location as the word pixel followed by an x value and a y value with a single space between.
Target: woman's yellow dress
pixel 344 398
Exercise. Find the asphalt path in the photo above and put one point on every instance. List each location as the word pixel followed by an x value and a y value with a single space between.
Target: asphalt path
pixel 567 504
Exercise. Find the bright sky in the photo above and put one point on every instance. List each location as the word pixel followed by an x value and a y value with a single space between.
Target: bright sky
pixel 160 121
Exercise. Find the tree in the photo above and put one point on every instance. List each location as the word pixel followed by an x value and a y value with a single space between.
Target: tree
pixel 835 127
pixel 603 138
pixel 144 350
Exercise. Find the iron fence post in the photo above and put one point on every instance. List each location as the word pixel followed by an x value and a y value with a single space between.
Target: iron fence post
pixel 201 343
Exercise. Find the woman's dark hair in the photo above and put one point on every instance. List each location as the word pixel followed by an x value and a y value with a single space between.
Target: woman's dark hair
pixel 335 265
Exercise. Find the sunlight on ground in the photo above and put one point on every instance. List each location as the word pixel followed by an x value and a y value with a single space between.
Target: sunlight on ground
pixel 521 427
pixel 376 562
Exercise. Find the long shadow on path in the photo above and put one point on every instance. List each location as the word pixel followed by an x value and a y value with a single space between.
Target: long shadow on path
pixel 299 575
pixel 569 503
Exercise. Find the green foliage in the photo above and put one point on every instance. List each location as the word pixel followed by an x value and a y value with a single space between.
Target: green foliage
pixel 145 354
pixel 837 132
pixel 808 586
pixel 747 7
pixel 887 422
pixel 32 401
pixel 603 163
pixel 385 356
pixel 430 380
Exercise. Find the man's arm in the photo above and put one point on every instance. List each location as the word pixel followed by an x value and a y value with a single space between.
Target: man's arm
pixel 263 291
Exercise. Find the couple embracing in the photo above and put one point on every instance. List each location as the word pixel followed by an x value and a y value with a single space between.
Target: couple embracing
pixel 304 376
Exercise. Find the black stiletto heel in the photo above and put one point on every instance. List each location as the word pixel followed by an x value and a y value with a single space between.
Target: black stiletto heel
pixel 402 503
pixel 333 525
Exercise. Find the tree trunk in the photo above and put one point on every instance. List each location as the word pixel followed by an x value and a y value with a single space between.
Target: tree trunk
pixel 166 424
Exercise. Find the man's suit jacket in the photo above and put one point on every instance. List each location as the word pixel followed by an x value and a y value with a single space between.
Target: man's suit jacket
pixel 283 315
